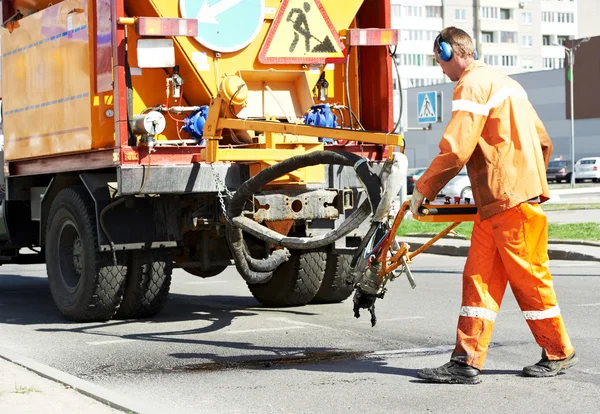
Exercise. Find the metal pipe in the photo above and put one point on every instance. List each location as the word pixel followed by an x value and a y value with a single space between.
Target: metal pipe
pixel 570 55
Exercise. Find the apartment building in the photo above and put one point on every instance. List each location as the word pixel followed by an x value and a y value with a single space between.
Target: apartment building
pixel 588 13
pixel 512 35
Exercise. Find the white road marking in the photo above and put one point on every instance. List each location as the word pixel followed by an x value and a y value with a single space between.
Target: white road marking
pixel 298 323
pixel 207 282
pixel 285 328
pixel 404 318
pixel 110 342
pixel 436 349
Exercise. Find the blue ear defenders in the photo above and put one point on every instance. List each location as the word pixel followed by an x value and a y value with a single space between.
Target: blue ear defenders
pixel 444 50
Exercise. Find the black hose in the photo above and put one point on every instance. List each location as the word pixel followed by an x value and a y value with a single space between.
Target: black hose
pixel 401 102
pixel 235 208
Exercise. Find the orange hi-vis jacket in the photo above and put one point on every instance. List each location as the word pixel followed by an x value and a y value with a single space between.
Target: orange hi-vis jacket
pixel 495 131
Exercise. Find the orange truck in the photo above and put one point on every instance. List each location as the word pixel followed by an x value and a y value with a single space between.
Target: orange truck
pixel 146 135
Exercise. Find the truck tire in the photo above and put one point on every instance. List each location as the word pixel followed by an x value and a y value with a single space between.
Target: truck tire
pixel 335 287
pixel 147 285
pixel 85 284
pixel 294 283
pixel 208 272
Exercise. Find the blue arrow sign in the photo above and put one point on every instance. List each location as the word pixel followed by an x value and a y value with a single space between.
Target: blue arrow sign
pixel 427 110
pixel 225 25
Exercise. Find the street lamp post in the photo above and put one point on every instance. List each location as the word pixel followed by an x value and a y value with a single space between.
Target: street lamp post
pixel 570 52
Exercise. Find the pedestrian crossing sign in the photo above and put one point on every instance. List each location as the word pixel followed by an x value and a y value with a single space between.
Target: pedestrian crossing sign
pixel 302 33
pixel 427 107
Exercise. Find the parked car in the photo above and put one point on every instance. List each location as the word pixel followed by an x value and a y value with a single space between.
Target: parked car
pixel 412 177
pixel 587 169
pixel 459 186
pixel 559 170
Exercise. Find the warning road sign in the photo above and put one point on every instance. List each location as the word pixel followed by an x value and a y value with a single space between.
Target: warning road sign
pixel 302 33
pixel 427 107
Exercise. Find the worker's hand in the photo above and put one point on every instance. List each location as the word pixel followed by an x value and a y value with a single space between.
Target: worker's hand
pixel 416 200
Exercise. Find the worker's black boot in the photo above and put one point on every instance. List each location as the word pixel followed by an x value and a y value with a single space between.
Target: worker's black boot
pixel 451 373
pixel 547 368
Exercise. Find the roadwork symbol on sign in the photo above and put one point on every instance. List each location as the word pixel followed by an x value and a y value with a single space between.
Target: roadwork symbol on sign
pixel 302 33
pixel 427 107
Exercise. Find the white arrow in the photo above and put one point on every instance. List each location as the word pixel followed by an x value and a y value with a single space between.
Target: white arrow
pixel 208 14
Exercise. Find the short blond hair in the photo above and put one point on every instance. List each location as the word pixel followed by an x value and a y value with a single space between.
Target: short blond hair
pixel 459 40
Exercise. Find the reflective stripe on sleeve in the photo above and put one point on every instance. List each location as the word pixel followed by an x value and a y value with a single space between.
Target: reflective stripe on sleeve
pixel 546 314
pixel 482 313
pixel 504 94
pixel 494 101
pixel 470 106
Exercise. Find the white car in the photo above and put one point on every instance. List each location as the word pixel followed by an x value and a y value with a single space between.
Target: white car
pixel 587 169
pixel 459 186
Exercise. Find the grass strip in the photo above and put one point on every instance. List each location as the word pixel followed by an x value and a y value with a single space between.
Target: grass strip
pixel 574 231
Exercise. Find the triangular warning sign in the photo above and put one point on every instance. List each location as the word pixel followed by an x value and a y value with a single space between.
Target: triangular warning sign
pixel 302 33
pixel 426 108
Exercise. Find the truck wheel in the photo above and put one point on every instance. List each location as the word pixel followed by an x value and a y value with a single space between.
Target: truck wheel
pixel 335 287
pixel 294 283
pixel 147 285
pixel 85 284
pixel 208 272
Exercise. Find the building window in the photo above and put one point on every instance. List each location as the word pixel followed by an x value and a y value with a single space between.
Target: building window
pixel 526 18
pixel 431 35
pixel 412 11
pixel 509 61
pixel 416 35
pixel 491 60
pixel 430 60
pixel 527 63
pixel 527 41
pixel 433 12
pixel 562 39
pixel 565 17
pixel 553 63
pixel 460 15
pixel 489 12
pixel 396 8
pixel 505 14
pixel 548 17
pixel 546 40
pixel 508 37
pixel 487 37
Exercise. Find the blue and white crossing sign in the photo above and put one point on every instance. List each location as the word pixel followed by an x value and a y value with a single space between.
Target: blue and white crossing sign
pixel 225 25
pixel 427 107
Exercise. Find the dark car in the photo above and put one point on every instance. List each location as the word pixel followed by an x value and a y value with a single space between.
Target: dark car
pixel 412 177
pixel 559 170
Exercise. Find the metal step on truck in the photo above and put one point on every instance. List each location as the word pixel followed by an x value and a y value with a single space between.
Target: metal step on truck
pixel 146 135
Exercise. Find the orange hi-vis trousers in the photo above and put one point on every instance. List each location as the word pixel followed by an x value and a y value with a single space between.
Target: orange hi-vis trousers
pixel 510 247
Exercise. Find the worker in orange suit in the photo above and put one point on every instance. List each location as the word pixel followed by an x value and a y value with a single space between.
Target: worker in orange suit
pixel 496 132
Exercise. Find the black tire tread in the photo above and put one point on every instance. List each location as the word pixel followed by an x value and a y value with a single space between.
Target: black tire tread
pixel 147 287
pixel 103 296
pixel 335 287
pixel 294 283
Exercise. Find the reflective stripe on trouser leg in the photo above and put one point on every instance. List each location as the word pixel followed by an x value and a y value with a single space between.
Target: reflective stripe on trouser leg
pixel 521 234
pixel 484 284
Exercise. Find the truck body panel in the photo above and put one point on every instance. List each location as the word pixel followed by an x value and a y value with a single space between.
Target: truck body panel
pixel 128 138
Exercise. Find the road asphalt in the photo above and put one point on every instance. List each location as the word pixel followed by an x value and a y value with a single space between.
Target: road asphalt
pixel 29 387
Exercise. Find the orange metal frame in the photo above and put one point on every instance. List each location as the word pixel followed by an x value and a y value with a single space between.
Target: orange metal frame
pixel 402 256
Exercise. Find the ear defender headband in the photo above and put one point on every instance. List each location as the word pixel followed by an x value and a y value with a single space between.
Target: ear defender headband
pixel 444 50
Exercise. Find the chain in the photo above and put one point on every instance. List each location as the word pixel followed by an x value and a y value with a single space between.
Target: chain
pixel 221 185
